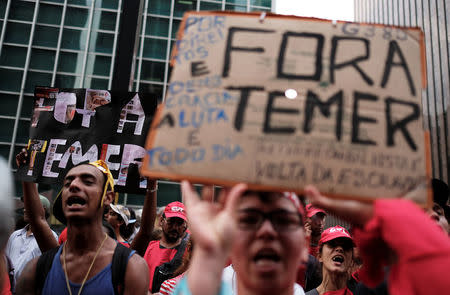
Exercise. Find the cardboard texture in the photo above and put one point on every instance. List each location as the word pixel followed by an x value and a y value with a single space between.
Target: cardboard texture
pixel 354 128
pixel 74 126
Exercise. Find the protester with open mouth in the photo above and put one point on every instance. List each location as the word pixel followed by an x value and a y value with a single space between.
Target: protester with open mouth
pixel 335 255
pixel 89 261
pixel 262 233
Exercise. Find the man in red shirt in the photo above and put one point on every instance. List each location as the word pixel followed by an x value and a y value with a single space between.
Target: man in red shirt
pixel 164 256
pixel 315 221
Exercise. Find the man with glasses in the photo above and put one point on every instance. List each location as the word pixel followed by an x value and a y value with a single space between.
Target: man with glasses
pixel 164 256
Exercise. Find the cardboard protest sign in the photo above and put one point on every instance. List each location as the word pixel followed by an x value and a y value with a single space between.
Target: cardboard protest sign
pixel 73 126
pixel 353 127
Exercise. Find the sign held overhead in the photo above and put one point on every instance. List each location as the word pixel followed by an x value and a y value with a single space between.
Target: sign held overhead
pixel 290 101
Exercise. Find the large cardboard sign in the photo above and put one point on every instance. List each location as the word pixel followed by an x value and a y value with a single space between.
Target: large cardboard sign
pixel 353 127
pixel 73 126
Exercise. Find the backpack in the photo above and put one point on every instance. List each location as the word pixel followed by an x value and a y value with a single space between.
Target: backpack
pixel 165 271
pixel 118 267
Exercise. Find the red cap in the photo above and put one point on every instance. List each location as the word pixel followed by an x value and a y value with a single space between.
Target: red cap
pixel 175 209
pixel 334 232
pixel 311 211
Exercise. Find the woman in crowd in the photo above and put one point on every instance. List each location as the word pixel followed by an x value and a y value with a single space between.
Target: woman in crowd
pixel 395 233
pixel 336 257
pixel 119 218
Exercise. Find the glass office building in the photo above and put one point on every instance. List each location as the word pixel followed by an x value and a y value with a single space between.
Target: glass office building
pixel 73 44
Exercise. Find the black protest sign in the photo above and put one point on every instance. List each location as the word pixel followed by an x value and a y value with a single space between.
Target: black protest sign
pixel 353 125
pixel 73 126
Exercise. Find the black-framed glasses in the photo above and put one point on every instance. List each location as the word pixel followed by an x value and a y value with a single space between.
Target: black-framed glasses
pixel 281 220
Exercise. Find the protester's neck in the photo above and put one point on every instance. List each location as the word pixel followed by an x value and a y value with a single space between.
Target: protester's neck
pixel 84 237
pixel 167 244
pixel 244 290
pixel 119 237
pixel 332 282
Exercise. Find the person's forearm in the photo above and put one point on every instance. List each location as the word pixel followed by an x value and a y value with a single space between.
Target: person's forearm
pixel 32 203
pixel 36 214
pixel 205 272
pixel 142 238
pixel 355 212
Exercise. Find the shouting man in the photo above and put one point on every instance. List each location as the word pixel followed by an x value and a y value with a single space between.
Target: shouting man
pixel 164 256
pixel 85 261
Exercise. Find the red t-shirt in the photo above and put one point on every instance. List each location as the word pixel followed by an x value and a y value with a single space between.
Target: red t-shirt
pixel 155 256
pixel 422 249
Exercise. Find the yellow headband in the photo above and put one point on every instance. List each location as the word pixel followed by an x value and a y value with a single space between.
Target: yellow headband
pixel 103 167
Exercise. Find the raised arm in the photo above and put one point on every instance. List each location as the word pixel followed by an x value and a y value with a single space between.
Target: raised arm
pixel 355 212
pixel 142 238
pixel 212 226
pixel 35 212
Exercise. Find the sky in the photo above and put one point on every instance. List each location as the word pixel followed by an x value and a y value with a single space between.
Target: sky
pixel 329 9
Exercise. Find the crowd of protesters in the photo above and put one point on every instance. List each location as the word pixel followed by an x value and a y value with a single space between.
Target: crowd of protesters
pixel 239 242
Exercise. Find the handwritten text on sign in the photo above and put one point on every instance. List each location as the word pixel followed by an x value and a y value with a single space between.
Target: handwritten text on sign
pixel 354 127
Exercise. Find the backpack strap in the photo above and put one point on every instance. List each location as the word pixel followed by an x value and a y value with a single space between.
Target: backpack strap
pixel 165 271
pixel 43 266
pixel 119 267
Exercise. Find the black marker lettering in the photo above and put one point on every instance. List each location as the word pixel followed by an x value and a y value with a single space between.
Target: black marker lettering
pixel 167 119
pixel 318 56
pixel 198 68
pixel 245 93
pixel 229 46
pixel 271 109
pixel 394 49
pixel 400 125
pixel 353 62
pixel 357 120
pixel 313 101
